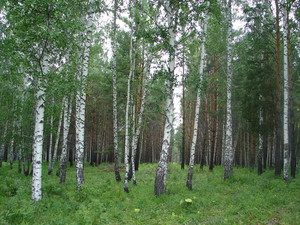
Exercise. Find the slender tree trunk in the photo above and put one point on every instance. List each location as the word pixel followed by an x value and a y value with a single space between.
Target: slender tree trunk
pixel 12 144
pixel 260 146
pixel 81 105
pixel 183 115
pixel 2 149
pixel 53 158
pixel 63 160
pixel 189 182
pixel 285 96
pixel 127 144
pixel 228 150
pixel 161 172
pixel 278 135
pixel 38 136
pixel 140 118
pixel 115 106
pixel 50 139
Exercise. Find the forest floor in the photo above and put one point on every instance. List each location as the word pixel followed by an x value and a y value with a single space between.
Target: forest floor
pixel 245 199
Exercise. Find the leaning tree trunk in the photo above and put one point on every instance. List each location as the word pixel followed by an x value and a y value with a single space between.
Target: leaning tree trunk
pixel 127 143
pixel 53 158
pixel 80 106
pixel 228 150
pixel 140 118
pixel 285 96
pixel 39 136
pixel 115 106
pixel 161 172
pixel 189 182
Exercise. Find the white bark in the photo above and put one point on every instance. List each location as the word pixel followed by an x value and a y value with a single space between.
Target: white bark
pixel 11 147
pixel 286 161
pixel 137 132
pixel 53 158
pixel 161 172
pixel 115 106
pixel 131 72
pixel 39 136
pixel 80 106
pixel 51 140
pixel 197 109
pixel 228 150
pixel 66 125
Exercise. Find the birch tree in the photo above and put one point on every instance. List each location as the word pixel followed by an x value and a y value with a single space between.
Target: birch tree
pixel 161 172
pixel 53 158
pixel 228 148
pixel 81 104
pixel 38 136
pixel 137 132
pixel 285 93
pixel 66 125
pixel 131 72
pixel 197 109
pixel 115 105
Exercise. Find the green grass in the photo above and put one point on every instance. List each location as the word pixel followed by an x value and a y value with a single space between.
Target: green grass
pixel 244 199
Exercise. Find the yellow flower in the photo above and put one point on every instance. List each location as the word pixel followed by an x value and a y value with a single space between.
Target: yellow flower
pixel 188 200
pixel 137 210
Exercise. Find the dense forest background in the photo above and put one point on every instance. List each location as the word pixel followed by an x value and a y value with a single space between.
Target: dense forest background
pixel 90 82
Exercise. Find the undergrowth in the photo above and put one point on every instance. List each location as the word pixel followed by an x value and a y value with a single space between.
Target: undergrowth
pixel 244 199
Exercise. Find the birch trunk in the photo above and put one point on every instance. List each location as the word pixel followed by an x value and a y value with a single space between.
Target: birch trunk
pixel 2 149
pixel 66 126
pixel 39 136
pixel 161 172
pixel 260 145
pixel 140 118
pixel 115 106
pixel 51 140
pixel 11 147
pixel 53 158
pixel 126 156
pixel 285 95
pixel 189 182
pixel 80 106
pixel 228 150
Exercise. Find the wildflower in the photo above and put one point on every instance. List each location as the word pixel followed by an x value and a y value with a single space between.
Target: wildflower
pixel 137 210
pixel 188 200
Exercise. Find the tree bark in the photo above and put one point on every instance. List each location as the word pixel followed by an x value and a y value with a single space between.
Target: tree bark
pixel 228 150
pixel 285 95
pixel 115 106
pixel 53 159
pixel 161 172
pixel 63 160
pixel 127 144
pixel 2 149
pixel 38 136
pixel 189 182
